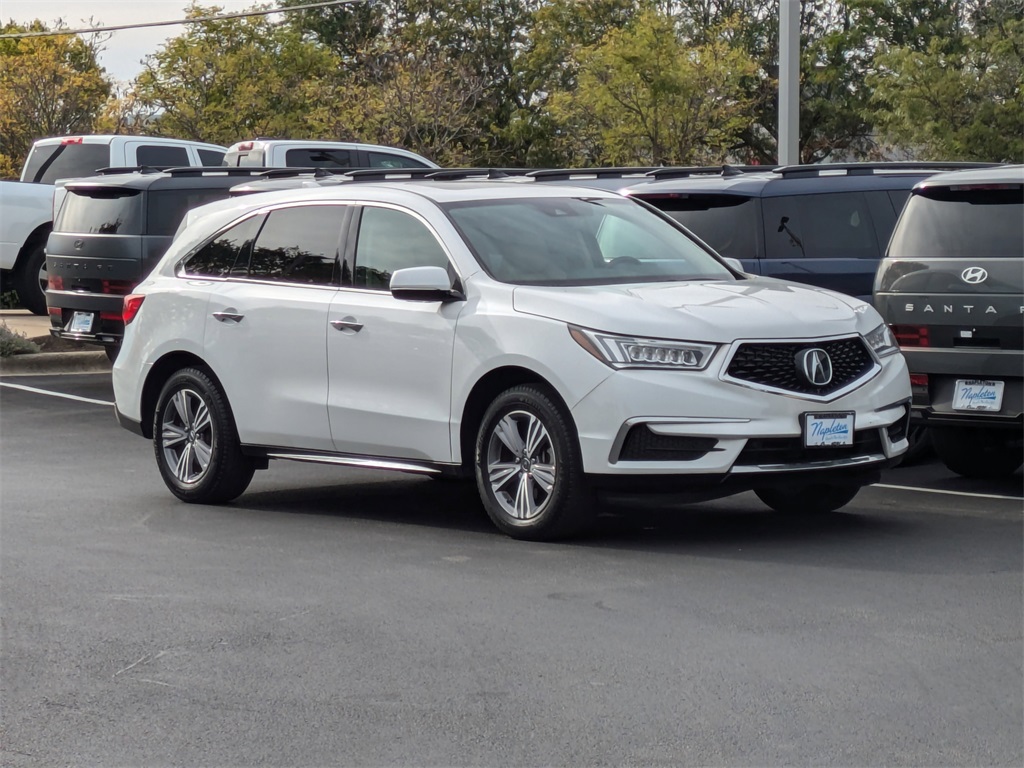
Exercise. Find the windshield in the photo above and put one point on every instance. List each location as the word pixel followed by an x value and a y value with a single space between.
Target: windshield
pixel 579 241
pixel 976 221
pixel 101 211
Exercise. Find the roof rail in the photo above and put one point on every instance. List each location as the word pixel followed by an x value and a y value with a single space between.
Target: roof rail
pixel 226 170
pixel 673 172
pixel 869 168
pixel 591 173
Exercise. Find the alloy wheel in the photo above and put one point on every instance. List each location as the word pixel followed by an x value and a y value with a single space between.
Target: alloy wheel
pixel 521 466
pixel 186 436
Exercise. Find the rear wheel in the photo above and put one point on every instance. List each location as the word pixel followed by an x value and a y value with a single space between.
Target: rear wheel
pixel 528 467
pixel 981 453
pixel 30 280
pixel 195 440
pixel 810 499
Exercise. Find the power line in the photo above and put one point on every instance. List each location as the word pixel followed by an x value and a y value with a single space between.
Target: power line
pixel 239 15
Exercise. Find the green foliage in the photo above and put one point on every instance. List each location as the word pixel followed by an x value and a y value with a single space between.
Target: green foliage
pixel 228 80
pixel 9 300
pixel 963 102
pixel 49 86
pixel 14 343
pixel 644 96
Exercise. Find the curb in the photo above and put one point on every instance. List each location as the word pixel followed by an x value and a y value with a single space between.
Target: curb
pixel 55 362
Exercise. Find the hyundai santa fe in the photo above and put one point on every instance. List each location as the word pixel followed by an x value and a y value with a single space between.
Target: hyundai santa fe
pixel 551 343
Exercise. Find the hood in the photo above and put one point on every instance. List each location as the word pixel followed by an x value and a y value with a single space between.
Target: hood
pixel 708 310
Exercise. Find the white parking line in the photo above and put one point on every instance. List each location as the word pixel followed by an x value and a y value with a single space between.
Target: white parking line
pixel 947 493
pixel 55 394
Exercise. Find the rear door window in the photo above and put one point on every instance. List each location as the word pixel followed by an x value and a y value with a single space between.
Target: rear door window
pixel 388 160
pixel 101 211
pixel 299 245
pixel 318 158
pixel 728 223
pixel 976 221
pixel 159 156
pixel 829 226
pixel 48 163
pixel 226 254
pixel 211 157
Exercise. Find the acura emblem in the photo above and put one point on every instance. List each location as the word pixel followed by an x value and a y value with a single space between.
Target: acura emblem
pixel 974 275
pixel 815 366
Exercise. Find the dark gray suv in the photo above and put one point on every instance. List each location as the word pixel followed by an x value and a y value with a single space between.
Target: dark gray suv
pixel 951 288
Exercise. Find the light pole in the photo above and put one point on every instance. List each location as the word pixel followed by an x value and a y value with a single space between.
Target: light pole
pixel 789 82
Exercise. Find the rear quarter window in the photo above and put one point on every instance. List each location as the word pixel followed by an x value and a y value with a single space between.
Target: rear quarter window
pixel 982 221
pixel 827 226
pixel 318 158
pixel 167 207
pixel 158 156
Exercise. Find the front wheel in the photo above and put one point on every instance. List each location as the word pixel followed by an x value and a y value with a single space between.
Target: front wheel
pixel 528 467
pixel 197 448
pixel 810 499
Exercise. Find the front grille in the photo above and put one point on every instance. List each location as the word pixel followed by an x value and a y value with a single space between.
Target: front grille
pixel 643 445
pixel 791 450
pixel 773 364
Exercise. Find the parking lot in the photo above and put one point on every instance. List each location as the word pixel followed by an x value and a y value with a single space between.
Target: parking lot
pixel 336 616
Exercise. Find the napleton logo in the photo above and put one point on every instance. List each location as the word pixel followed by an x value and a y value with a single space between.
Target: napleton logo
pixel 974 275
pixel 815 366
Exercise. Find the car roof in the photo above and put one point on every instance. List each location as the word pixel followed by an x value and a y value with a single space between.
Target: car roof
pixel 1010 174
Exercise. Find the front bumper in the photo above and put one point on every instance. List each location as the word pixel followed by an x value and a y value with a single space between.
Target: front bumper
pixel 714 428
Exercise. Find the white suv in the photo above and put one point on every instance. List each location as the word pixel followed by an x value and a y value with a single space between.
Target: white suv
pixel 550 341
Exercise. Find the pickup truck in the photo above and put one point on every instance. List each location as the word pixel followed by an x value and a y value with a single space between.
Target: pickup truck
pixel 27 206
pixel 300 153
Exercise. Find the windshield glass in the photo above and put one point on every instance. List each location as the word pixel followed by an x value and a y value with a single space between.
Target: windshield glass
pixel 101 211
pixel 50 162
pixel 579 241
pixel 978 221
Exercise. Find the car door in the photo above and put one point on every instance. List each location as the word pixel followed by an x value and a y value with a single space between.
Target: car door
pixel 389 360
pixel 266 328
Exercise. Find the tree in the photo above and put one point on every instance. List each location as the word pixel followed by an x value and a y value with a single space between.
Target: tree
pixel 49 86
pixel 225 80
pixel 957 102
pixel 646 96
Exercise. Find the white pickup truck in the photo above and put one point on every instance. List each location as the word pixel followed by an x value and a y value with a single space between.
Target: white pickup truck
pixel 27 206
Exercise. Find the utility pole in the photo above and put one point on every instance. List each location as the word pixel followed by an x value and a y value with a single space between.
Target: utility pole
pixel 789 82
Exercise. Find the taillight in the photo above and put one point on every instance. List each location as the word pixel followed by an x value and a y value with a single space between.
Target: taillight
pixel 131 307
pixel 919 379
pixel 911 335
pixel 54 283
pixel 116 287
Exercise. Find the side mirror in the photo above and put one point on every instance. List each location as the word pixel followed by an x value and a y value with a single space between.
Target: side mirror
pixel 423 284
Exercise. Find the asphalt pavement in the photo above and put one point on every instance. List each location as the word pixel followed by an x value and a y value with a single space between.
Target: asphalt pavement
pixel 345 617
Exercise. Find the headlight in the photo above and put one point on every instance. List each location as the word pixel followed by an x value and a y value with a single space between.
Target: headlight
pixel 881 341
pixel 633 352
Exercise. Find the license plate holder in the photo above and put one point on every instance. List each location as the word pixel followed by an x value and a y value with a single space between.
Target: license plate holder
pixel 828 430
pixel 978 395
pixel 81 322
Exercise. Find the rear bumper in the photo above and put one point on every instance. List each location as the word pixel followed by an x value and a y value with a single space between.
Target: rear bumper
pixel 130 424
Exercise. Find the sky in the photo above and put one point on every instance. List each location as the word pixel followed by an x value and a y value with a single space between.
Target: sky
pixel 125 49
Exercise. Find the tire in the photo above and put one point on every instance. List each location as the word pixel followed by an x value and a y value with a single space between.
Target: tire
pixel 920 446
pixel 810 499
pixel 979 453
pixel 30 280
pixel 195 441
pixel 529 472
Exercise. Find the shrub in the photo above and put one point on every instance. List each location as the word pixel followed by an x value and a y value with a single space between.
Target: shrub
pixel 9 300
pixel 14 343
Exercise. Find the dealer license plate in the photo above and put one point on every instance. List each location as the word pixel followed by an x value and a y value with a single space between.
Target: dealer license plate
pixel 977 395
pixel 81 322
pixel 828 429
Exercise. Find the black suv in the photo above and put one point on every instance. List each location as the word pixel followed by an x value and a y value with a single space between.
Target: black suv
pixel 826 225
pixel 951 287
pixel 110 231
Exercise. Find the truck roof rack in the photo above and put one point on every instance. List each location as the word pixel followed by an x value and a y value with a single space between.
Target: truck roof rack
pixel 674 172
pixel 869 168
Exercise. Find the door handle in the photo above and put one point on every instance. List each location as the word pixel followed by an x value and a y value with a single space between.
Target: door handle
pixel 224 317
pixel 347 324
